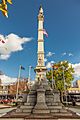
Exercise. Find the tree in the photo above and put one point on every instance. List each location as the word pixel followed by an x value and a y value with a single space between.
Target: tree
pixel 62 74
pixel 3 7
pixel 22 87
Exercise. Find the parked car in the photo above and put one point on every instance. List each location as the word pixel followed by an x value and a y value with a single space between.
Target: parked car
pixel 5 101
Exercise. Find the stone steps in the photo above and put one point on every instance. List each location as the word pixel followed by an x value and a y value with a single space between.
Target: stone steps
pixel 29 104
pixel 44 118
pixel 54 107
pixel 58 111
pixel 26 111
pixel 41 111
pixel 40 117
pixel 26 107
pixel 67 114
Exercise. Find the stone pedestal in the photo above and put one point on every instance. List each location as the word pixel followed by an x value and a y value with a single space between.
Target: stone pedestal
pixel 56 96
pixel 41 106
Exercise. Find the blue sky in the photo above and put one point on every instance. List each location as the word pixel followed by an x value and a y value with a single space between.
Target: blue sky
pixel 62 22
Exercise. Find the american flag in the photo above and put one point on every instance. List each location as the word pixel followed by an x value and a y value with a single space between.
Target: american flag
pixel 45 33
pixel 21 67
pixel 31 67
pixel 2 41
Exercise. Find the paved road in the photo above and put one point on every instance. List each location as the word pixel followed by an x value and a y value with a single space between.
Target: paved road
pixel 4 109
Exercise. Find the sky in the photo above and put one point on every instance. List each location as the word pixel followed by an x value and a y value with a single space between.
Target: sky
pixel 19 31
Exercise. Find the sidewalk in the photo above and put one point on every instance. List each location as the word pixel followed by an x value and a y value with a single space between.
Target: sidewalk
pixel 4 106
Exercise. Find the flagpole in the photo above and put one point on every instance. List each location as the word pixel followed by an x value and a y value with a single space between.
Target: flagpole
pixel 52 77
pixel 53 84
pixel 18 82
pixel 64 84
pixel 29 74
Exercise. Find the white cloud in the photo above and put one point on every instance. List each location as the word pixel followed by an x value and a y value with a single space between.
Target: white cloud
pixel 49 54
pixel 7 80
pixel 13 43
pixel 48 65
pixel 45 59
pixel 63 54
pixel 52 62
pixel 77 70
pixel 4 57
pixel 70 54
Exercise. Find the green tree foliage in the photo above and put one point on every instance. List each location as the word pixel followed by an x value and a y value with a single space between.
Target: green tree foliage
pixel 62 72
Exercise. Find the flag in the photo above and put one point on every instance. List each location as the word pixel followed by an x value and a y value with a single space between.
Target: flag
pixel 9 1
pixel 21 67
pixel 5 13
pixel 5 1
pixel 31 67
pixel 2 41
pixel 3 8
pixel 45 33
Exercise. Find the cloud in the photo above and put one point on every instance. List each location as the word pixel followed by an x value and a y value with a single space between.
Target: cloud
pixel 52 62
pixel 4 57
pixel 13 43
pixel 48 65
pixel 45 59
pixel 63 54
pixel 7 80
pixel 77 70
pixel 49 54
pixel 70 54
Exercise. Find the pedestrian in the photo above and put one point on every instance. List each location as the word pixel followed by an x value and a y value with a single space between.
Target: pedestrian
pixel 73 102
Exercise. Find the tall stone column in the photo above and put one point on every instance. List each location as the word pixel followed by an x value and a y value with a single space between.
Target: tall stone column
pixel 40 68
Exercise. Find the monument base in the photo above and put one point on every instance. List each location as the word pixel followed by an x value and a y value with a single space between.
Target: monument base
pixel 42 103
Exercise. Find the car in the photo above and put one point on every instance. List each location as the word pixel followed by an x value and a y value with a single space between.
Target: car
pixel 5 101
